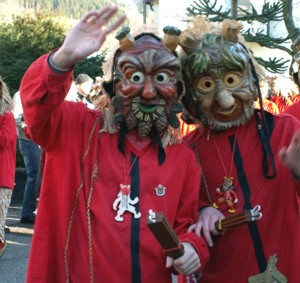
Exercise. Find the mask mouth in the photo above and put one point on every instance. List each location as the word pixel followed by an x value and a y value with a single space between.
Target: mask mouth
pixel 148 109
pixel 147 112
pixel 227 111
pixel 147 106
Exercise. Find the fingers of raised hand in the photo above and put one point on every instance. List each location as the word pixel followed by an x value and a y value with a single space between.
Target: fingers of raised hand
pixel 101 17
pixel 116 24
pixel 105 14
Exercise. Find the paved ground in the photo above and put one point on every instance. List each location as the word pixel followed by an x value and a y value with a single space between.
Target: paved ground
pixel 13 263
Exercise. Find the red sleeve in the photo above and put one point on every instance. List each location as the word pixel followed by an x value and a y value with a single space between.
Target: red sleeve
pixel 42 92
pixel 7 129
pixel 8 139
pixel 187 213
pixel 51 120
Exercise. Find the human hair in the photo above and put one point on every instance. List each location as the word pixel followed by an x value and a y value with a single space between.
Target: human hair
pixel 5 99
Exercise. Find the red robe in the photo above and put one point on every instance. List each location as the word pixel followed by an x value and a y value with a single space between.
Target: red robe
pixel 232 255
pixel 8 140
pixel 82 175
pixel 294 110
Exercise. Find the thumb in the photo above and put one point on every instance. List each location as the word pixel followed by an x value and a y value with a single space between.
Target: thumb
pixel 169 262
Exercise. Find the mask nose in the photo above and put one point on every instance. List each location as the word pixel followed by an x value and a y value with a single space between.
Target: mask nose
pixel 149 91
pixel 224 97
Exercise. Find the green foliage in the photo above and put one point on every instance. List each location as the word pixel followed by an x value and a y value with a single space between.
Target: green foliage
pixel 208 8
pixel 70 8
pixel 270 12
pixel 273 64
pixel 31 35
pixel 24 40
pixel 91 65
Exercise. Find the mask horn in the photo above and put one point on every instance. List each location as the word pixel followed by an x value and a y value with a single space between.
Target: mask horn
pixel 171 37
pixel 231 29
pixel 126 40
pixel 189 41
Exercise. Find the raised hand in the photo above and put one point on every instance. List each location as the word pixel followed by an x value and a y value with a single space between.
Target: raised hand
pixel 86 37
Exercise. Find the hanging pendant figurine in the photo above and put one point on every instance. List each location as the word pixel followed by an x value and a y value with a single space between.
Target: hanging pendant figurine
pixel 125 203
pixel 226 195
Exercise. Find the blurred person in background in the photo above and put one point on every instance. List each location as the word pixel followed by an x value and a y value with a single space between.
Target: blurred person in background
pixel 31 153
pixel 8 140
pixel 84 84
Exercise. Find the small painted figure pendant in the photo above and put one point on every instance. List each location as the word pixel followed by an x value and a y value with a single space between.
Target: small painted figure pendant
pixel 227 195
pixel 124 203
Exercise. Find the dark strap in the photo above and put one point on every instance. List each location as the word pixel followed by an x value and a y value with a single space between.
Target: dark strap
pixel 259 252
pixel 264 133
pixel 264 125
pixel 123 133
pixel 135 228
pixel 161 155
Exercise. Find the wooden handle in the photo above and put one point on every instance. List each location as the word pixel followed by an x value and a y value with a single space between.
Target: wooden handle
pixel 165 234
pixel 238 219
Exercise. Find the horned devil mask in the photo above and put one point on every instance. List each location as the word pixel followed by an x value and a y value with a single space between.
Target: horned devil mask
pixel 146 82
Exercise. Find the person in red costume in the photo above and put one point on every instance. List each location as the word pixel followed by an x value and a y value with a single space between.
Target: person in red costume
pixel 106 169
pixel 282 89
pixel 294 110
pixel 8 141
pixel 258 150
pixel 268 105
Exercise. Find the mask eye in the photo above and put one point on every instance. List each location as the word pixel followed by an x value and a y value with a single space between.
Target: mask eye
pixel 162 78
pixel 137 78
pixel 206 84
pixel 231 79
